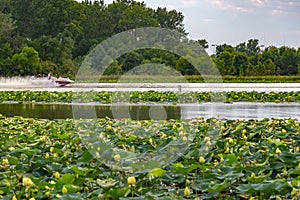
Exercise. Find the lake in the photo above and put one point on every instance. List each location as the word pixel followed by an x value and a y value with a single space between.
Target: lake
pixel 238 110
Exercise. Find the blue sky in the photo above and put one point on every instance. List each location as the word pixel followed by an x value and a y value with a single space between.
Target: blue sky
pixel 273 22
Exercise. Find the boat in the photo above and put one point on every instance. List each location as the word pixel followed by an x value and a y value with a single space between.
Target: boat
pixel 50 80
pixel 63 81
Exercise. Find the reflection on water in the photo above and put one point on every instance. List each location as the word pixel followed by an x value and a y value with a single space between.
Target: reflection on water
pixel 63 111
pixel 240 110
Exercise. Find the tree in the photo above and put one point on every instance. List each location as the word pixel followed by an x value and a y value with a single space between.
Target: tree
pixel 131 60
pixel 6 25
pixel 23 14
pixel 227 59
pixel 170 19
pixel 224 47
pixel 272 53
pixel 241 63
pixel 288 61
pixel 250 47
pixel 25 63
pixel 113 69
pixel 5 51
pixel 136 16
pixel 268 68
pixel 203 43
pixel 253 46
pixel 184 67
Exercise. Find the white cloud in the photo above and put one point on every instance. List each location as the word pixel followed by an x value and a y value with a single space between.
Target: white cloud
pixel 207 21
pixel 279 7
pixel 259 3
pixel 189 3
pixel 276 12
pixel 274 7
pixel 226 5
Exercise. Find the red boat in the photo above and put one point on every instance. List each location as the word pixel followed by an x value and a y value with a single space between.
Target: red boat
pixel 50 80
pixel 63 81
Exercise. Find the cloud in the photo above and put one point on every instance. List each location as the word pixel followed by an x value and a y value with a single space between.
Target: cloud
pixel 189 3
pixel 207 21
pixel 276 12
pixel 259 3
pixel 228 5
pixel 287 7
pixel 273 7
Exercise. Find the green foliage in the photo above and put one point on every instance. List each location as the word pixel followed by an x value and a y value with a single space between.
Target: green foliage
pixel 247 59
pixel 65 31
pixel 44 159
pixel 184 67
pixel 113 69
pixel 25 63
pixel 6 25
pixel 147 96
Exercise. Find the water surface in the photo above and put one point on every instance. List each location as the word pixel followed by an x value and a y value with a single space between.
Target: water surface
pixel 238 110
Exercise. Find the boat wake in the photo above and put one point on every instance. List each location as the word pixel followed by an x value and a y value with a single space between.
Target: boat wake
pixel 33 82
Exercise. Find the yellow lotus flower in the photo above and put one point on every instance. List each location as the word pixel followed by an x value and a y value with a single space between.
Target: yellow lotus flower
pixel 227 150
pixel 57 175
pixel 44 138
pixel 151 141
pixel 131 180
pixel 109 128
pixel 64 190
pixel 187 191
pixel 11 148
pixel 117 157
pixel 208 143
pixel 52 182
pixel 216 163
pixel 14 198
pixel 283 131
pixel 5 161
pixel 278 151
pixel 47 155
pixel 202 160
pixel 27 182
pixel 163 136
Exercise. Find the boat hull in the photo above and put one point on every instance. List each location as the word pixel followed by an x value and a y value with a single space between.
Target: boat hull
pixel 45 81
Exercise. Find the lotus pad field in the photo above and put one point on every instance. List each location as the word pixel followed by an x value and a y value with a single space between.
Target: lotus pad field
pixel 148 96
pixel 43 159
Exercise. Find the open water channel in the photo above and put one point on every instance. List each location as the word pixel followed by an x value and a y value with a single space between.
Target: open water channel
pixel 239 110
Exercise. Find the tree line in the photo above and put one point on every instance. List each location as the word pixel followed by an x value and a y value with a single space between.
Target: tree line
pixel 54 36
pixel 252 59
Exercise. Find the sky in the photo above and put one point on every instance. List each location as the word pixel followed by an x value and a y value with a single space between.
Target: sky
pixel 273 22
